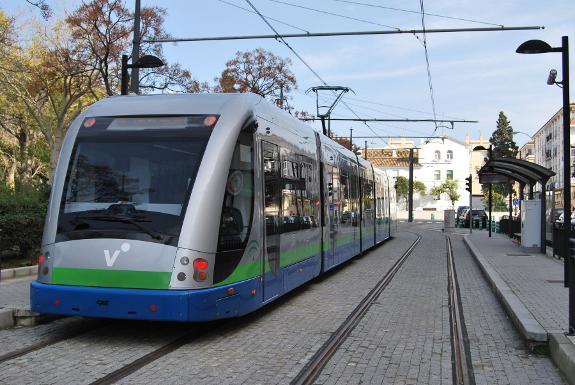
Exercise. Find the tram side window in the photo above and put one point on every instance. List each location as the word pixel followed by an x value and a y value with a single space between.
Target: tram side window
pixel 345 205
pixel 237 208
pixel 299 212
pixel 354 195
pixel 367 199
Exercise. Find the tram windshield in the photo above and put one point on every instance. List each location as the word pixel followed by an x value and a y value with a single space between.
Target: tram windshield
pixel 131 178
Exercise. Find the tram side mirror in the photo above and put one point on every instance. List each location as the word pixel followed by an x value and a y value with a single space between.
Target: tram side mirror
pixel 250 126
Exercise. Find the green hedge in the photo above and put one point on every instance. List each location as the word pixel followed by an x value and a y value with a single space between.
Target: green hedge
pixel 21 222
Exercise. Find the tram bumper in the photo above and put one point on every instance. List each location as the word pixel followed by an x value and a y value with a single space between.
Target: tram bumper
pixel 143 304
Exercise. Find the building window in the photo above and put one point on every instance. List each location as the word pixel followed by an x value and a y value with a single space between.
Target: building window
pixel 437 175
pixel 449 155
pixel 449 174
pixel 437 155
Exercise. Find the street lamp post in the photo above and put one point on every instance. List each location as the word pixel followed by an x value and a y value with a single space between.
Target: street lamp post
pixel 146 61
pixel 539 46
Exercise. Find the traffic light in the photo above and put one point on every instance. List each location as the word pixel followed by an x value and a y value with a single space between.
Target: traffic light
pixel 468 183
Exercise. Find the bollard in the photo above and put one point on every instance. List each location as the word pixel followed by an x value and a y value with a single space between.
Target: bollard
pixel 432 216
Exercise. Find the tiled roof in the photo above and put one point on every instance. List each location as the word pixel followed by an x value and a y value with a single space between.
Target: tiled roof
pixel 395 158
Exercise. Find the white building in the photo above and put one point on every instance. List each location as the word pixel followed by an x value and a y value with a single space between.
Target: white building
pixel 434 161
pixel 439 160
pixel 548 148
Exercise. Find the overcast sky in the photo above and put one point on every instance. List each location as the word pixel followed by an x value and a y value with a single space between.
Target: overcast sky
pixel 474 74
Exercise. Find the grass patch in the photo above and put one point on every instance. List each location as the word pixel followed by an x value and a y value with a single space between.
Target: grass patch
pixel 541 350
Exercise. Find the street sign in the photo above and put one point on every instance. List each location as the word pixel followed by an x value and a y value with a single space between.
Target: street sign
pixel 515 202
pixel 486 178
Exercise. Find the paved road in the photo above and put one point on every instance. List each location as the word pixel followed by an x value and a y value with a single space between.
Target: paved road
pixel 404 338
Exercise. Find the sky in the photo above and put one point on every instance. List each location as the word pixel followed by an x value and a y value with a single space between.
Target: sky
pixel 474 75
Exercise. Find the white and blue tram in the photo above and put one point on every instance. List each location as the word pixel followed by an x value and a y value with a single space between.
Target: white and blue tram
pixel 200 206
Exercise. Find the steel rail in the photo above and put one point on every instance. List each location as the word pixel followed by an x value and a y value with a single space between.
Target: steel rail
pixel 313 368
pixel 50 341
pixel 462 367
pixel 126 370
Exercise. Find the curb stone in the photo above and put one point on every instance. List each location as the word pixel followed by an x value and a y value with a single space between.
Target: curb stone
pixel 18 272
pixel 6 318
pixel 563 354
pixel 521 317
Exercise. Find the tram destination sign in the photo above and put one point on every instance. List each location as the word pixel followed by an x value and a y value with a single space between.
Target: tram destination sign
pixel 489 177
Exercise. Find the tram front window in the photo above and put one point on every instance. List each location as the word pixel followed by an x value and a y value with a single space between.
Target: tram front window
pixel 131 186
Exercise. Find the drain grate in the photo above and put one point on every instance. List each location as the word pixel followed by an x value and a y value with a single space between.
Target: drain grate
pixel 517 255
pixel 554 280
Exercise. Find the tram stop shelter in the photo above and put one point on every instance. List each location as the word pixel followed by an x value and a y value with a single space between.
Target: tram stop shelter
pixel 502 170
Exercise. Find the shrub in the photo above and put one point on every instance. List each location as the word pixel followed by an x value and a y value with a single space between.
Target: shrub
pixel 22 216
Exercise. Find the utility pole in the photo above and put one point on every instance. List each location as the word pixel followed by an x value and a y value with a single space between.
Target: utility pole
pixel 490 194
pixel 410 188
pixel 281 101
pixel 136 50
pixel 365 150
pixel 350 139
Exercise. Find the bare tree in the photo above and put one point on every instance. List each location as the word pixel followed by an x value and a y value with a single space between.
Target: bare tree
pixel 105 28
pixel 258 71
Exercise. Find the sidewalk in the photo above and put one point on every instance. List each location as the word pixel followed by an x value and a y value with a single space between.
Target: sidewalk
pixel 530 287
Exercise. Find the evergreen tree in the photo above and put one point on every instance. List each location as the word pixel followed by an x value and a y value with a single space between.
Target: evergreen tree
pixel 503 147
pixel 502 139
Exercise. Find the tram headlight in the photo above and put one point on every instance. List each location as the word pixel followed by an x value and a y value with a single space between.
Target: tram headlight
pixel 200 267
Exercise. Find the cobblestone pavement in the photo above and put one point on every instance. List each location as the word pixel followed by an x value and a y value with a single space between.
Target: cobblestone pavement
pixel 15 293
pixel 499 353
pixel 405 336
pixel 268 347
pixel 403 339
pixel 535 278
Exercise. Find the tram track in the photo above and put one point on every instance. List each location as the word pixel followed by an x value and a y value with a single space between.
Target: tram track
pixel 330 347
pixel 461 360
pixel 313 368
pixel 91 326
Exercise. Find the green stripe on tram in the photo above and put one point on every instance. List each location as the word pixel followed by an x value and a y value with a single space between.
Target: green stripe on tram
pixel 111 278
pixel 249 270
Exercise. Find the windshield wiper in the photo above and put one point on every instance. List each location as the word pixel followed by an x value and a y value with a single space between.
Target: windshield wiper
pixel 122 219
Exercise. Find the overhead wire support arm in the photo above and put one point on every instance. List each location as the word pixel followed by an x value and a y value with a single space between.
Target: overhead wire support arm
pixel 348 33
pixel 397 120
pixel 323 116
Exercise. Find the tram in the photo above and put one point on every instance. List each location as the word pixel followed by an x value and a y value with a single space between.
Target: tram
pixel 197 207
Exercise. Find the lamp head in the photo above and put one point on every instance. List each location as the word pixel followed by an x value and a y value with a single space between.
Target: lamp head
pixel 148 61
pixel 480 148
pixel 534 46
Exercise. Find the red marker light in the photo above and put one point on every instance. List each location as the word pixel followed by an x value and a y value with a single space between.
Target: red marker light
pixel 40 259
pixel 89 122
pixel 230 291
pixel 200 264
pixel 56 302
pixel 210 120
pixel 153 308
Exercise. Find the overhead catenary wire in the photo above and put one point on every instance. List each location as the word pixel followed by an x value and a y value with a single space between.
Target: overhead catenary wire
pixel 428 67
pixel 334 14
pixel 281 39
pixel 380 124
pixel 417 12
pixel 269 17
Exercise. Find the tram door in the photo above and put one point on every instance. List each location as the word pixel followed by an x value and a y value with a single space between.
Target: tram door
pixel 332 215
pixel 272 206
